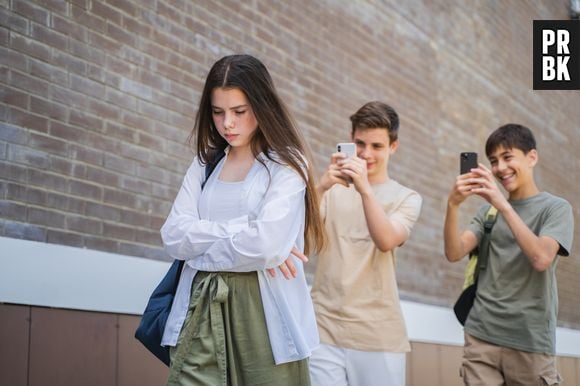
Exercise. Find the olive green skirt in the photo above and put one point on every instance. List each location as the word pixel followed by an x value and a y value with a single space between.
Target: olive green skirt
pixel 224 340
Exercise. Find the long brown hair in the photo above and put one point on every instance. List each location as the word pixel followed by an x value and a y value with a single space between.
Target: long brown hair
pixel 277 132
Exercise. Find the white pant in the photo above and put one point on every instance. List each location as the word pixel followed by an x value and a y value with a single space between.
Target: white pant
pixel 335 366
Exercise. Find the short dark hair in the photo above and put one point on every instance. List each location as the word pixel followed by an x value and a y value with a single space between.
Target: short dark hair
pixel 377 115
pixel 511 136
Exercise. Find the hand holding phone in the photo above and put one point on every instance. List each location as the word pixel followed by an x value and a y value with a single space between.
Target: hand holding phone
pixel 467 161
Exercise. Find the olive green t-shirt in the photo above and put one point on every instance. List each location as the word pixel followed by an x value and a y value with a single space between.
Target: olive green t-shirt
pixel 516 306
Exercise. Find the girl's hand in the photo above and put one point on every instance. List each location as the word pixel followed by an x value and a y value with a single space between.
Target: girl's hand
pixel 288 268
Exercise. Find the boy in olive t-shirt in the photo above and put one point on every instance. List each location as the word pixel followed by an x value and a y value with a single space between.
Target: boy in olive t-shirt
pixel 510 332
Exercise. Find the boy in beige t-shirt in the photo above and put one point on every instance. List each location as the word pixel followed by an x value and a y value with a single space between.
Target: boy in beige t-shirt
pixel 367 216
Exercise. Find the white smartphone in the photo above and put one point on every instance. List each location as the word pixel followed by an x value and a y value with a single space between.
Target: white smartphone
pixel 347 148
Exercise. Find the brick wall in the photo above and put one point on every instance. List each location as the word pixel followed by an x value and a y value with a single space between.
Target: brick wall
pixel 97 99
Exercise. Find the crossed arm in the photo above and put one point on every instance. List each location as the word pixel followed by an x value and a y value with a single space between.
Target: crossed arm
pixel 241 244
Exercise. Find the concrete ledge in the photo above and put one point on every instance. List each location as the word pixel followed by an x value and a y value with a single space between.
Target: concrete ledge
pixel 58 276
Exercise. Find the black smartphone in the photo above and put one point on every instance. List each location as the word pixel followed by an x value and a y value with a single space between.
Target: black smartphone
pixel 467 161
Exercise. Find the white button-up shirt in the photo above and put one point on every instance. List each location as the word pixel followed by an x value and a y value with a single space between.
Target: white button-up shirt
pixel 260 239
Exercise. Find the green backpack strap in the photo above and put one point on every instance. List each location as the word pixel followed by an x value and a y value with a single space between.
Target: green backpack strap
pixel 475 263
pixel 490 218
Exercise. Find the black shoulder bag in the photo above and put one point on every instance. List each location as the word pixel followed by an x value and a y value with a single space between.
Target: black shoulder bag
pixel 152 325
pixel 465 301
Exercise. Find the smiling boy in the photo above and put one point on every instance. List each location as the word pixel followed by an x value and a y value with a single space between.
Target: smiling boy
pixel 510 332
pixel 367 216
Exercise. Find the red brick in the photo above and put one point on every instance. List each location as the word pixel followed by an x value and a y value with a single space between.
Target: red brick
pixel 12 210
pixel 49 37
pixel 87 86
pixel 165 40
pixel 14 97
pixel 179 121
pixel 30 47
pixel 27 156
pixel 103 42
pixel 13 59
pixel 24 231
pixel 169 71
pixel 87 121
pixel 45 217
pixel 86 52
pixel 135 185
pixel 34 196
pixel 98 141
pixel 116 231
pixel 103 177
pixel 134 218
pixel 83 4
pixel 134 152
pixel 101 244
pixel 169 12
pixel 77 32
pixel 121 132
pixel 153 143
pixel 48 109
pixel 152 111
pixel 32 12
pixel 120 67
pixel 12 172
pixel 120 99
pixel 65 203
pixel 67 97
pixel 136 121
pixel 14 21
pixel 104 110
pixel 148 237
pixel 135 88
pixel 28 120
pixel 48 72
pixel 165 192
pixel 106 12
pixel 137 27
pixel 86 154
pixel 120 165
pixel 120 35
pixel 157 222
pixel 83 225
pixel 67 132
pixel 50 181
pixel 67 168
pixel 85 190
pixel 104 212
pixel 48 144
pixel 154 81
pixel 64 238
pixel 28 83
pixel 55 5
pixel 125 6
pixel 119 198
pixel 4 37
pixel 96 73
pixel 69 62
pixel 82 17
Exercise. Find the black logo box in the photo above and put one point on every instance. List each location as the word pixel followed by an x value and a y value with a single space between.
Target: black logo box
pixel 573 28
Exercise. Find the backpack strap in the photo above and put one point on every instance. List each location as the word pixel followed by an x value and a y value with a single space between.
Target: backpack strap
pixel 210 166
pixel 483 248
pixel 488 223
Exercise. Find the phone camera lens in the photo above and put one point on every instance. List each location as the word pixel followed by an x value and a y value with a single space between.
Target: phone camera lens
pixel 339 149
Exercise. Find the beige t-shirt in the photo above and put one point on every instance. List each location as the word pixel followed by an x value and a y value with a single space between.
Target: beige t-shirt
pixel 355 291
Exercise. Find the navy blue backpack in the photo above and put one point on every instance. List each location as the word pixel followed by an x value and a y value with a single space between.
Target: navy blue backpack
pixel 152 325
